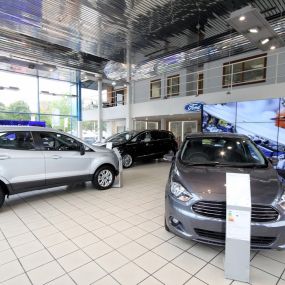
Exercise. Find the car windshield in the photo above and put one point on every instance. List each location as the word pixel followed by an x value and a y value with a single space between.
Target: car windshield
pixel 122 137
pixel 222 151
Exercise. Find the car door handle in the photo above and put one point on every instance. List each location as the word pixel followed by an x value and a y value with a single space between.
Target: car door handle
pixel 3 157
pixel 55 156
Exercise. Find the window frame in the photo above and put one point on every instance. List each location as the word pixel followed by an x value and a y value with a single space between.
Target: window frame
pixel 40 141
pixel 151 92
pixel 169 87
pixel 21 149
pixel 200 83
pixel 243 60
pixel 117 92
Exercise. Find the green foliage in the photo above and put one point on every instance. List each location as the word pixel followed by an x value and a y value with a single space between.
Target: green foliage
pixel 89 126
pixel 2 109
pixel 17 108
pixel 61 106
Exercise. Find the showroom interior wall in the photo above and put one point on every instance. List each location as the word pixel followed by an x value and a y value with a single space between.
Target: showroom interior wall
pixel 213 71
pixel 142 87
pixel 213 91
pixel 213 87
pixel 35 98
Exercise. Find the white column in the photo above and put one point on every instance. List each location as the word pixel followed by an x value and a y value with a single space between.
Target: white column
pixel 163 124
pixel 79 129
pixel 129 121
pixel 99 119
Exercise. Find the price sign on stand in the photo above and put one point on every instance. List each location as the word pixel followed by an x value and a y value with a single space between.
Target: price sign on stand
pixel 119 179
pixel 238 221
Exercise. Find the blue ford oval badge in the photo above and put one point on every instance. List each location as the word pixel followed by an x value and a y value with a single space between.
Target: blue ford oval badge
pixel 193 107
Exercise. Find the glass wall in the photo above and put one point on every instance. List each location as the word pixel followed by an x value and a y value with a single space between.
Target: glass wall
pixel 26 97
pixel 90 98
pixel 18 96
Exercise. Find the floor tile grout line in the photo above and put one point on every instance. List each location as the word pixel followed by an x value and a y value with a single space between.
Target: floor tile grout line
pixel 132 226
pixel 14 260
pixel 142 254
pixel 95 260
pixel 280 278
pixel 18 257
pixel 271 258
pixel 55 259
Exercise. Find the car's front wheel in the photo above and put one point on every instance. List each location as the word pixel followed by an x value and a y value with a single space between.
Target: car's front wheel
pixel 104 177
pixel 2 196
pixel 127 160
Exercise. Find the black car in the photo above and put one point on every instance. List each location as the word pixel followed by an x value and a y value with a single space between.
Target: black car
pixel 148 144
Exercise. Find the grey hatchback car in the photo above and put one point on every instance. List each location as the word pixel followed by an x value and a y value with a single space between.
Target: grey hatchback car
pixel 195 199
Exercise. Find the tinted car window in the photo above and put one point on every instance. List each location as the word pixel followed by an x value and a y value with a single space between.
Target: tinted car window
pixel 122 137
pixel 156 135
pixel 227 151
pixel 143 137
pixel 17 140
pixel 59 142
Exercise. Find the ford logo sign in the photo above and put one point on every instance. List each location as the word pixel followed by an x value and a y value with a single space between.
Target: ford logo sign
pixel 193 107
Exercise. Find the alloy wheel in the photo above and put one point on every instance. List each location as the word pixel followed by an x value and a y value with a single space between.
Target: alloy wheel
pixel 105 178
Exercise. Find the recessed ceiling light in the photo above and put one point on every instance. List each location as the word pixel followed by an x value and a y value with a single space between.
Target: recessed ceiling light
pixel 253 30
pixel 225 47
pixel 51 69
pixel 265 41
pixel 273 47
pixel 113 83
pixel 242 18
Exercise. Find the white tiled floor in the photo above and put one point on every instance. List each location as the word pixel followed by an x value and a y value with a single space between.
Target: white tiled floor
pixel 82 236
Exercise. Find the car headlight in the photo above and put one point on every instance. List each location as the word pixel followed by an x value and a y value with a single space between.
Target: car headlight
pixel 180 192
pixel 282 201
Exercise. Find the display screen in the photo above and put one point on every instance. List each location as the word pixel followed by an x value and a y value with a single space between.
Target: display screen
pixel 261 120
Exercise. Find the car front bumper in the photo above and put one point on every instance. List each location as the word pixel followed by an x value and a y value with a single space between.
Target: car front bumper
pixel 269 235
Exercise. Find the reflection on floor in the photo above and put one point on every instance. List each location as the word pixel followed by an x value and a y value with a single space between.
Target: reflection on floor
pixel 83 236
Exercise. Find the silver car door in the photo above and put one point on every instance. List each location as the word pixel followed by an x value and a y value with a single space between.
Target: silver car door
pixel 63 160
pixel 20 162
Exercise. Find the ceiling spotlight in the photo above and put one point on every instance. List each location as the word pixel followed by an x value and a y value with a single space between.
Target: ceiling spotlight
pixel 225 47
pixel 51 69
pixel 242 18
pixel 113 83
pixel 253 30
pixel 265 41
pixel 273 47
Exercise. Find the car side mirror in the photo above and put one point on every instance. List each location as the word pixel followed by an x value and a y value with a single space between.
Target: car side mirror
pixel 168 157
pixel 82 149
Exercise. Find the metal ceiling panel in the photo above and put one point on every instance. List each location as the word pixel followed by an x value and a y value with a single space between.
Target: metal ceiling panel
pixel 68 32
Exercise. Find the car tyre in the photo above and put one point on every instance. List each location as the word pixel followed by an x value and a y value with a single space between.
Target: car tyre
pixel 165 226
pixel 127 160
pixel 104 177
pixel 2 196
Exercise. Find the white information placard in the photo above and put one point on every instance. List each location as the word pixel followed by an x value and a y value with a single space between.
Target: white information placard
pixel 238 225
pixel 238 189
pixel 109 145
pixel 119 179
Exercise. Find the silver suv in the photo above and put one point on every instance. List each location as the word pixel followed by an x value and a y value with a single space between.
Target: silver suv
pixel 33 158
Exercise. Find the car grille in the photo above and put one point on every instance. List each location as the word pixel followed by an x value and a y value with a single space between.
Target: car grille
pixel 259 213
pixel 255 240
